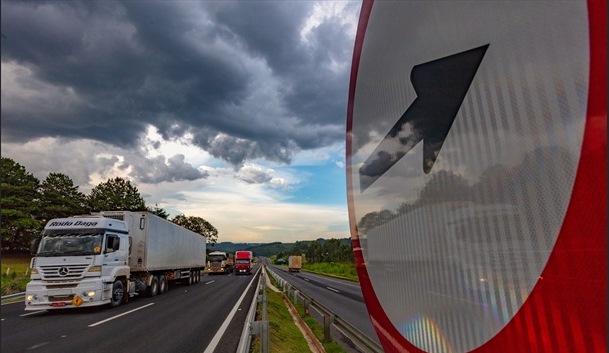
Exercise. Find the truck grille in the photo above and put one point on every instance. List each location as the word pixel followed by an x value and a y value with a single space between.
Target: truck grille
pixel 56 272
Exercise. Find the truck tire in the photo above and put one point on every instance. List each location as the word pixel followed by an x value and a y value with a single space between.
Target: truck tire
pixel 118 291
pixel 198 276
pixel 191 278
pixel 153 290
pixel 163 284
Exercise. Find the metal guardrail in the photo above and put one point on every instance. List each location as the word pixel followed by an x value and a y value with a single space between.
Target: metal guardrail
pixel 11 296
pixel 253 327
pixel 363 342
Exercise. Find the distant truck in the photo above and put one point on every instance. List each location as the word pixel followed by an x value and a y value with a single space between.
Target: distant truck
pixel 294 263
pixel 243 262
pixel 220 262
pixel 108 257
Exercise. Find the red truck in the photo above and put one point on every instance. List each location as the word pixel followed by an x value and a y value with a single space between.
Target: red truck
pixel 243 262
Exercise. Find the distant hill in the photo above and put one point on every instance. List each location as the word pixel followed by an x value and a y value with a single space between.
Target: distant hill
pixel 266 249
pixel 231 247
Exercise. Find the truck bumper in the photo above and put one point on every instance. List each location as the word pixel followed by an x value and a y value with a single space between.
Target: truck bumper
pixel 40 295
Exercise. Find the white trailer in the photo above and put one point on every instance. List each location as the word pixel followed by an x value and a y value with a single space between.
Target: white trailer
pixel 106 258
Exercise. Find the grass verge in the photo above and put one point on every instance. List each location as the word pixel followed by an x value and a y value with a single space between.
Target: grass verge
pixel 15 272
pixel 316 328
pixel 284 334
pixel 345 270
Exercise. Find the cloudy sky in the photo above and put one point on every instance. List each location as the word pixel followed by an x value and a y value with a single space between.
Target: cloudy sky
pixel 233 111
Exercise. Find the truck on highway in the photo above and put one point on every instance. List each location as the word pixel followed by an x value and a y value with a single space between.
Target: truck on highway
pixel 108 257
pixel 243 262
pixel 220 262
pixel 294 263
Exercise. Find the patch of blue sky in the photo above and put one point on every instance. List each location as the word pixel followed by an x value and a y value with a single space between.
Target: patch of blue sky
pixel 320 184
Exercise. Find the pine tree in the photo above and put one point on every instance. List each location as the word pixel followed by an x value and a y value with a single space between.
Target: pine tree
pixel 19 200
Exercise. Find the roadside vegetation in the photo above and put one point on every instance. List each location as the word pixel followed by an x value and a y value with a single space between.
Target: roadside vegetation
pixel 333 257
pixel 284 334
pixel 344 270
pixel 15 272
pixel 316 328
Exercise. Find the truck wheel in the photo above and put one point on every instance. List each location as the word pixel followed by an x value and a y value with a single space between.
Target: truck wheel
pixel 198 276
pixel 191 278
pixel 153 290
pixel 162 284
pixel 117 293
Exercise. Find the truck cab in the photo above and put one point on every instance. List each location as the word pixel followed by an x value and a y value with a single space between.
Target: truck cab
pixel 78 262
pixel 243 262
pixel 220 262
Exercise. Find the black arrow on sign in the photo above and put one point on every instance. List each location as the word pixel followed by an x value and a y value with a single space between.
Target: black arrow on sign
pixel 441 86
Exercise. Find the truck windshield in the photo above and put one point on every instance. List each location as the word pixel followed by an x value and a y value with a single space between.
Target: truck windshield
pixel 59 244
pixel 243 261
pixel 215 258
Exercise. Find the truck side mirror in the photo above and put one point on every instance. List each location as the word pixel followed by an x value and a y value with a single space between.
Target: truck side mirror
pixel 116 244
pixel 34 245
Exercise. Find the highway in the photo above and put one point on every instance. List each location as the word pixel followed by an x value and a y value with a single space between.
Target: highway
pixel 343 298
pixel 185 319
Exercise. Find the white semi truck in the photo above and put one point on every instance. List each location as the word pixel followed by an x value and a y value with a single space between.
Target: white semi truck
pixel 107 257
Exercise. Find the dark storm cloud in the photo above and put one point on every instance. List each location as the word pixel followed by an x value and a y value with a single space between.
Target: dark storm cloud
pixel 156 170
pixel 236 75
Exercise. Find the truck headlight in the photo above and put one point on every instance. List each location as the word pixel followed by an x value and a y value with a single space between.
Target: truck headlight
pixel 31 297
pixel 95 269
pixel 34 271
pixel 89 294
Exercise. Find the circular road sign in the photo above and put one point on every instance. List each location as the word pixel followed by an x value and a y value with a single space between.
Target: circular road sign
pixel 476 153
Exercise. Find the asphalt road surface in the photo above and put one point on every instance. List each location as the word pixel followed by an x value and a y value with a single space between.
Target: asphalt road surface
pixel 343 298
pixel 183 320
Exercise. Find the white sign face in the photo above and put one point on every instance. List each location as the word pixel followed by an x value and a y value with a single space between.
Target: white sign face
pixel 467 127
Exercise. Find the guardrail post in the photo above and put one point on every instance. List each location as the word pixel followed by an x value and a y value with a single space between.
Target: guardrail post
pixel 264 307
pixel 327 323
pixel 265 341
pixel 306 303
pixel 296 297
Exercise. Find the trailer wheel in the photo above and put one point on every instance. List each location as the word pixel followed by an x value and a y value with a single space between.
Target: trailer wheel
pixel 153 290
pixel 198 276
pixel 162 284
pixel 118 291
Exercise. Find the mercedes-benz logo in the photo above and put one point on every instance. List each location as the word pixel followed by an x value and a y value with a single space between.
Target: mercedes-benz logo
pixel 63 271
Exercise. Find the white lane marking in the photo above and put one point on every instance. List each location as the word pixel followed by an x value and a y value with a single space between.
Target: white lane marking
pixel 308 280
pixel 210 282
pixel 214 341
pixel 333 290
pixel 119 315
pixel 33 313
pixel 36 346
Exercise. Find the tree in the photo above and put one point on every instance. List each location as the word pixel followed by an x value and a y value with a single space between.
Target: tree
pixel 299 248
pixel 19 197
pixel 198 225
pixel 313 253
pixel 116 195
pixel 156 210
pixel 60 198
